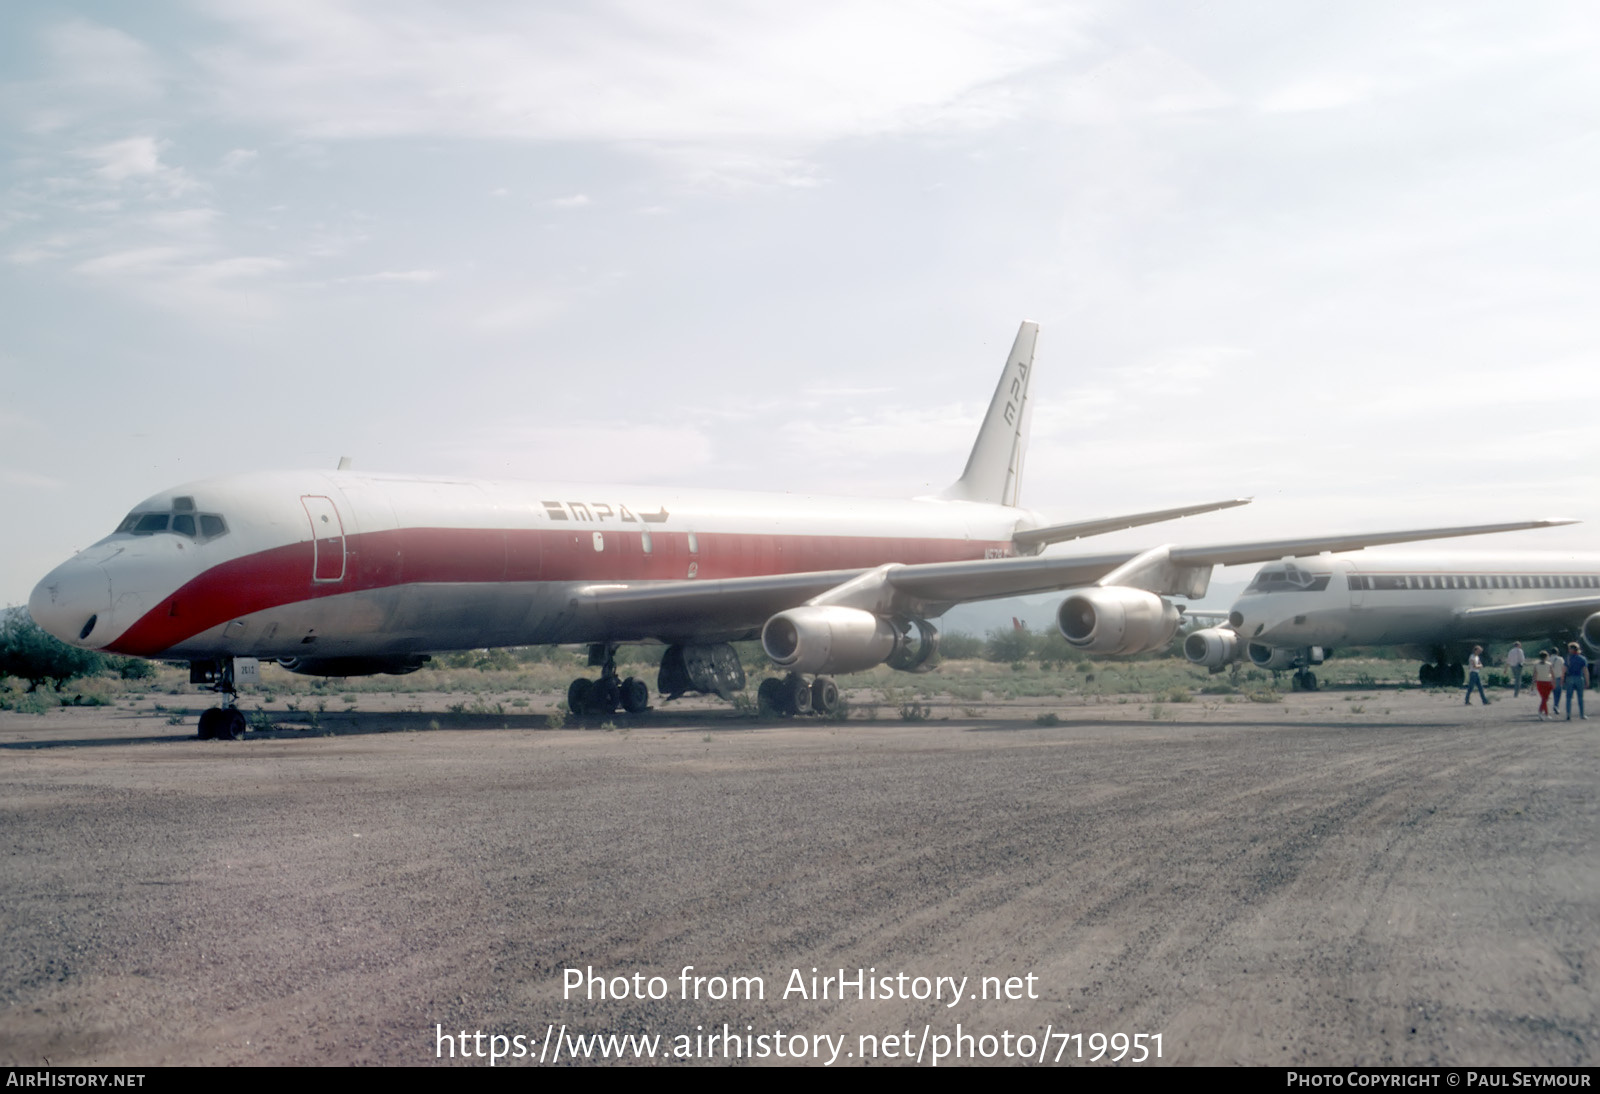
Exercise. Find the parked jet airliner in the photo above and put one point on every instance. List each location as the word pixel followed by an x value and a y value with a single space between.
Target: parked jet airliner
pixel 339 573
pixel 1436 605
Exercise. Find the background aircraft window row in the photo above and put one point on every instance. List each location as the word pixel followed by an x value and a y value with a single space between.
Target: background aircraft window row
pixel 1473 581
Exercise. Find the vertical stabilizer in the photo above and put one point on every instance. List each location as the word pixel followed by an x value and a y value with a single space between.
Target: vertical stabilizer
pixel 994 470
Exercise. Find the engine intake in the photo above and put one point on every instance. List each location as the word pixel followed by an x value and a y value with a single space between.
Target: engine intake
pixel 1270 657
pixel 1591 633
pixel 1213 647
pixel 1117 620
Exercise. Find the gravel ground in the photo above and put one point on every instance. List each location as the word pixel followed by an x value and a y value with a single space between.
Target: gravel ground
pixel 1371 878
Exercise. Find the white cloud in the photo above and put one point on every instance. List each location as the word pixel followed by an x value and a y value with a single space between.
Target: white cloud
pixel 137 159
pixel 593 452
pixel 693 72
pixel 238 159
pixel 189 280
pixel 407 277
pixel 90 70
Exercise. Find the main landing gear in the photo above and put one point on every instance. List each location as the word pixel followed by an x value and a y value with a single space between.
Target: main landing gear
pixel 793 695
pixel 1303 680
pixel 1442 675
pixel 225 722
pixel 603 696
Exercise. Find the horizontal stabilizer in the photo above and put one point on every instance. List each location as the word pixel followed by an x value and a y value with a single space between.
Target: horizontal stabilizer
pixel 1057 533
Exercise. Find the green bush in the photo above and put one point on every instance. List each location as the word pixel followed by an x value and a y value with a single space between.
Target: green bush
pixel 30 654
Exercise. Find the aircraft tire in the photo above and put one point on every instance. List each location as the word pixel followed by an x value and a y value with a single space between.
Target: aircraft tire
pixel 1458 675
pixel 232 726
pixel 209 720
pixel 769 697
pixel 1425 676
pixel 825 696
pixel 635 695
pixel 796 695
pixel 1310 682
pixel 578 695
pixel 605 695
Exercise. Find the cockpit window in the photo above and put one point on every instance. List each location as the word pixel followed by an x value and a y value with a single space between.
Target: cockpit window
pixel 1286 578
pixel 196 526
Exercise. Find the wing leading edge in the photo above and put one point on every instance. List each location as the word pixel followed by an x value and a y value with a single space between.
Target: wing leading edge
pixel 737 607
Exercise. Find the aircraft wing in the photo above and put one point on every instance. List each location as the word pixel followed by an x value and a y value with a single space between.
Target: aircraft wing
pixel 737 607
pixel 1057 533
pixel 1234 554
pixel 1545 613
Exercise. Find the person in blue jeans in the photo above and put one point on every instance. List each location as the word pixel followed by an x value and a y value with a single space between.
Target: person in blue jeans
pixel 1577 673
pixel 1475 675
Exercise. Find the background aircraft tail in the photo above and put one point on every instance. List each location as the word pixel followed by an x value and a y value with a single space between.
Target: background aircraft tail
pixel 994 470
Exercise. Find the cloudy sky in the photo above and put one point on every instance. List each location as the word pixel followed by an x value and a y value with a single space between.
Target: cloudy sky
pixel 1341 257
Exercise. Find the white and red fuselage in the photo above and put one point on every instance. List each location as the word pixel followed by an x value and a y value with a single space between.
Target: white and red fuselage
pixel 340 564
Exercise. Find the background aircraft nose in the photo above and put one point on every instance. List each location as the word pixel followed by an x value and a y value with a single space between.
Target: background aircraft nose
pixel 72 601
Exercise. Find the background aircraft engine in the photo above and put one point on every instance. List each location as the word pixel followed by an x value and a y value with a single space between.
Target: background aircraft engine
pixel 353 666
pixel 1214 647
pixel 828 639
pixel 1270 657
pixel 1591 632
pixel 1117 619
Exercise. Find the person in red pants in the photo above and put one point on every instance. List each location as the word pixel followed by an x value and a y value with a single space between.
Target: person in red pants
pixel 1543 676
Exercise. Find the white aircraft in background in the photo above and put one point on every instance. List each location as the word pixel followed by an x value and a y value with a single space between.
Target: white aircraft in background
pixel 340 574
pixel 1436 606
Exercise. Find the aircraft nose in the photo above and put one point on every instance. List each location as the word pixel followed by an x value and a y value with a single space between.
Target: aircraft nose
pixel 72 601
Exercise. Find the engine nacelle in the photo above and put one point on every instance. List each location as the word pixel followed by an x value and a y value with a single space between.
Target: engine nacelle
pixel 1271 657
pixel 1214 647
pixel 354 666
pixel 1591 633
pixel 829 639
pixel 1117 620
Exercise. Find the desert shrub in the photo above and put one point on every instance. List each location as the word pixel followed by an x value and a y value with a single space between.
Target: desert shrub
pixel 30 654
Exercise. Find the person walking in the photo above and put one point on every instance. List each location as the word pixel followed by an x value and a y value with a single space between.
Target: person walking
pixel 1577 677
pixel 1514 660
pixel 1543 674
pixel 1475 675
pixel 1558 672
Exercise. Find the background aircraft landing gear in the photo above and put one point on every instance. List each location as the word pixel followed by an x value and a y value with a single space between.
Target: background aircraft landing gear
pixel 1304 680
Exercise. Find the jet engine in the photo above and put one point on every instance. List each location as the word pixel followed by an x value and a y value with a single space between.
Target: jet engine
pixel 830 639
pixel 1117 619
pixel 354 666
pixel 1214 647
pixel 1270 657
pixel 1591 632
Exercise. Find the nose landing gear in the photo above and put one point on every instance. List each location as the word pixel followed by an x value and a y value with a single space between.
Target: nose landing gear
pixel 225 722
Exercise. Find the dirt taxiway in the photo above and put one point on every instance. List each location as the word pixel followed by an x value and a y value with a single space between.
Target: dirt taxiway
pixel 1383 877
